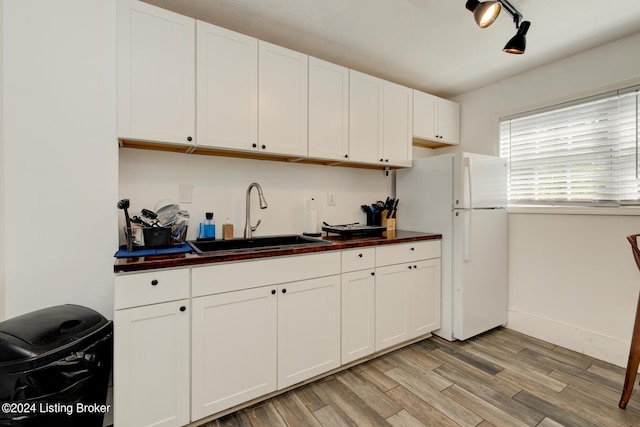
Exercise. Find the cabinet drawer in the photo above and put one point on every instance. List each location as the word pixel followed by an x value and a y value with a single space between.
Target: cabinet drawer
pixel 235 276
pixel 153 287
pixel 407 252
pixel 358 259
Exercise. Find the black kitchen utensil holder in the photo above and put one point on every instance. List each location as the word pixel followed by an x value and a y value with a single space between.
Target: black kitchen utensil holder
pixel 155 237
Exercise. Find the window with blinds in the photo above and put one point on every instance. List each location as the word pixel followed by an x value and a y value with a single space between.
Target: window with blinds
pixel 582 153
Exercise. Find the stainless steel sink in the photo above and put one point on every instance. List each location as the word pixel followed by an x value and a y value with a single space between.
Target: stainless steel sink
pixel 205 246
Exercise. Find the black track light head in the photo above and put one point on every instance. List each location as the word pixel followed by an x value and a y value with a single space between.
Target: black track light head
pixel 518 43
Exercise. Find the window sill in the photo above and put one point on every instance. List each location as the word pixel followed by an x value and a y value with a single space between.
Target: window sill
pixel 575 210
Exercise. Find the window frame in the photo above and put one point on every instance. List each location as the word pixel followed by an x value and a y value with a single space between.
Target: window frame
pixel 613 129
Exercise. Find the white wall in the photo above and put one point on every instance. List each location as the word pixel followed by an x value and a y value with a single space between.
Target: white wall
pixel 220 184
pixel 572 278
pixel 60 154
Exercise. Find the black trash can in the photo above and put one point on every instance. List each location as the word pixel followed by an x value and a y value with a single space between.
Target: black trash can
pixel 54 368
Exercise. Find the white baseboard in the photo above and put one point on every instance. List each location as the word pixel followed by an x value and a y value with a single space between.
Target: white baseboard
pixel 602 347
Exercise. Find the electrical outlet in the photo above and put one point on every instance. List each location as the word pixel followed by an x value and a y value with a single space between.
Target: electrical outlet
pixel 331 198
pixel 185 193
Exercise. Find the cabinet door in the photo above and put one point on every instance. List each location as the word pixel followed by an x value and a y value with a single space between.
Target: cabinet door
pixel 151 365
pixel 425 297
pixel 397 124
pixel 392 305
pixel 449 121
pixel 425 116
pixel 365 117
pixel 283 94
pixel 234 338
pixel 156 74
pixel 227 83
pixel 358 314
pixel 328 110
pixel 308 329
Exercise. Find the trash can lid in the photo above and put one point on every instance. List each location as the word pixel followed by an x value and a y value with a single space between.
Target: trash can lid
pixel 42 331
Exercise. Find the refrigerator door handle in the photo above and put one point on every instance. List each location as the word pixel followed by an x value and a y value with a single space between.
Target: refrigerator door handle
pixel 466 233
pixel 468 175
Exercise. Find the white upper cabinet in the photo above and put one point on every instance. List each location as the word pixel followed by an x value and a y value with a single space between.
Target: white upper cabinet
pixel 449 121
pixel 435 119
pixel 227 88
pixel 380 127
pixel 328 110
pixel 156 74
pixel 283 100
pixel 365 117
pixel 397 125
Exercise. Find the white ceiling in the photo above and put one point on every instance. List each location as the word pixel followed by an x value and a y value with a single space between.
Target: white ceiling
pixel 432 45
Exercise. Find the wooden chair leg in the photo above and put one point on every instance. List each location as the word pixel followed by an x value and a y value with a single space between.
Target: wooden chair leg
pixel 632 364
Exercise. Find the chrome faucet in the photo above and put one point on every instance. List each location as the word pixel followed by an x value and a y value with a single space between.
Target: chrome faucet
pixel 248 229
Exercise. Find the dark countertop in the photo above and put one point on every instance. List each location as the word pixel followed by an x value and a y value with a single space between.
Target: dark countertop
pixel 125 265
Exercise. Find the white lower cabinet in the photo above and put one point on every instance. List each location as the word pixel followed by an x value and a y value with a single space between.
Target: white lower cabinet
pixel 234 344
pixel 194 342
pixel 358 314
pixel 248 343
pixel 151 349
pixel 308 329
pixel 151 365
pixel 407 293
pixel 424 303
pixel 392 306
pixel 259 326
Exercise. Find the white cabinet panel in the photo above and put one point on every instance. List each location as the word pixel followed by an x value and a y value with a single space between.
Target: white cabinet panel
pixel 151 365
pixel 156 74
pixel 380 121
pixel 392 306
pixel 283 100
pixel 358 259
pixel 435 119
pixel 358 315
pixel 328 110
pixel 425 297
pixel 449 121
pixel 397 125
pixel 365 117
pixel 233 276
pixel 227 88
pixel 151 287
pixel 407 252
pixel 407 293
pixel 308 329
pixel 234 344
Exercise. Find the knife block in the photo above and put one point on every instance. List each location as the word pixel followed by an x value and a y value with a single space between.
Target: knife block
pixel 390 223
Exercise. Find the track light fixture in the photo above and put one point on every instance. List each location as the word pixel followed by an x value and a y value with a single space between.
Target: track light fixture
pixel 486 12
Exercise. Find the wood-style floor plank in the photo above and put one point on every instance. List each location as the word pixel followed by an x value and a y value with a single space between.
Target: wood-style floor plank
pixel 494 397
pixel 404 419
pixel 375 398
pixel 433 397
pixel 554 412
pixel 499 379
pixel 331 416
pixel 483 408
pixel 420 409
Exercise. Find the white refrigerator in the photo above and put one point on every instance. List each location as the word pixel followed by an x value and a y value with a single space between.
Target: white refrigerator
pixel 462 196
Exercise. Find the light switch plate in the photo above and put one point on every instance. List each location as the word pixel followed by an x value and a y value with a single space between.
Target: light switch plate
pixel 185 193
pixel 331 198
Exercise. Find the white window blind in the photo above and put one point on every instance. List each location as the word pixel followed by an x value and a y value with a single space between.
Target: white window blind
pixel 584 152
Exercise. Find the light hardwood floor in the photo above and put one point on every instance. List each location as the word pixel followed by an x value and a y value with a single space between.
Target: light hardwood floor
pixel 500 378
